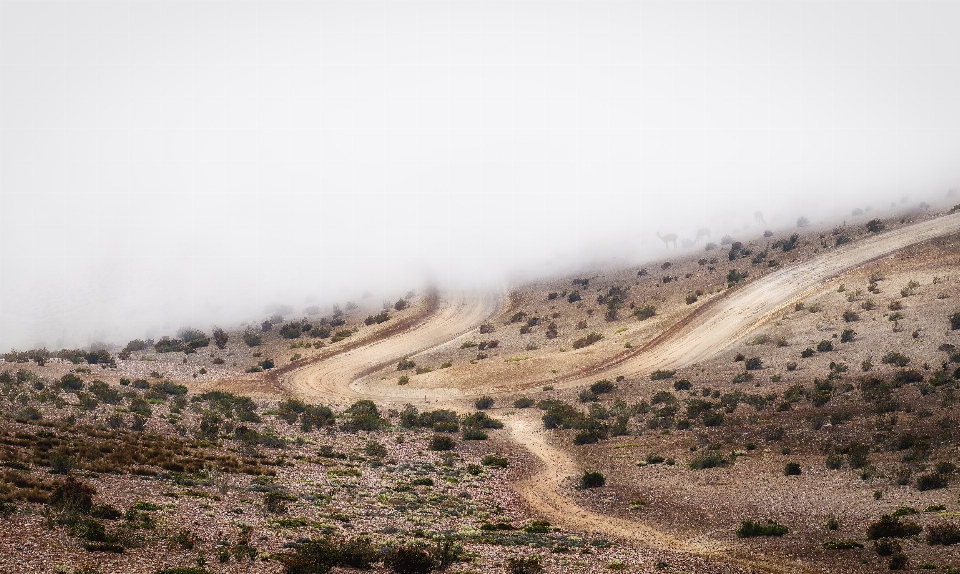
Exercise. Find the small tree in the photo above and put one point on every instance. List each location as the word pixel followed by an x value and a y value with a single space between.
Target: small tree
pixel 220 338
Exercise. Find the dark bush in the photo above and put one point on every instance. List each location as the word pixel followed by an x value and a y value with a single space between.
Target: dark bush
pixel 887 547
pixel 523 403
pixel 73 495
pixel 252 339
pixel 945 533
pixel 875 226
pixel 364 415
pixel 319 555
pixel 521 565
pixel 587 341
pixel 847 335
pixel 825 346
pixel 592 480
pixel 851 316
pixel 932 481
pixel 709 460
pixel 291 330
pixel 807 353
pixel 442 442
pixel 168 345
pixel 474 434
pixel 891 527
pixel 645 312
pixel 410 560
pixel 895 358
pixel 955 321
pixel 787 244
pixel 136 345
pixel 406 365
pixel 601 387
pixel 377 319
pixel 220 338
pixel 735 276
pixel 71 382
pixel 753 364
pixel 481 421
pixel 751 528
pixel 401 304
pixel 484 403
pixel 792 469
pixel 661 374
pixel 682 385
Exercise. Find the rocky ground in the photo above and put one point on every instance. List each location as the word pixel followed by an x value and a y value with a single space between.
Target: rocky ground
pixel 836 411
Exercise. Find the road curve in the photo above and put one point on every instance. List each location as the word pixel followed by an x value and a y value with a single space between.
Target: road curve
pixel 332 380
pixel 710 329
pixel 723 321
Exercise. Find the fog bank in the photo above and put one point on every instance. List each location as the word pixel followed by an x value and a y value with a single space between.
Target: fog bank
pixel 190 162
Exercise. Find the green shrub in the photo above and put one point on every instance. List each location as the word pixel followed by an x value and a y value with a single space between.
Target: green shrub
pixel 645 312
pixel 523 403
pixel 291 330
pixel 661 374
pixel 750 528
pixel 891 527
pixel 807 353
pixel 682 385
pixel 168 345
pixel 753 364
pixel 792 469
pixel 474 434
pixel 71 382
pixel 825 346
pixel 252 339
pixel 887 547
pixel 955 321
pixel 524 565
pixel 735 276
pixel 363 415
pixel 481 420
pixel 441 442
pixel 592 480
pixel 405 365
pixel 847 335
pixel 494 460
pixel 709 460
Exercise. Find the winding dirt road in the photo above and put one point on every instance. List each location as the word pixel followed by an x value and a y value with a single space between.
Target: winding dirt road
pixel 708 330
pixel 332 380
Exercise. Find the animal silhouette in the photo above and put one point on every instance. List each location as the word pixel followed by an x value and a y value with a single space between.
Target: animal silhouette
pixel 758 216
pixel 668 238
pixel 701 233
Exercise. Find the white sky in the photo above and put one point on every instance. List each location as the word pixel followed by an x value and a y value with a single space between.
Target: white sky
pixel 165 163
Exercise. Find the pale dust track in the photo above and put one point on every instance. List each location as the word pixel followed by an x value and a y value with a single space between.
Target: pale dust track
pixel 333 379
pixel 709 330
